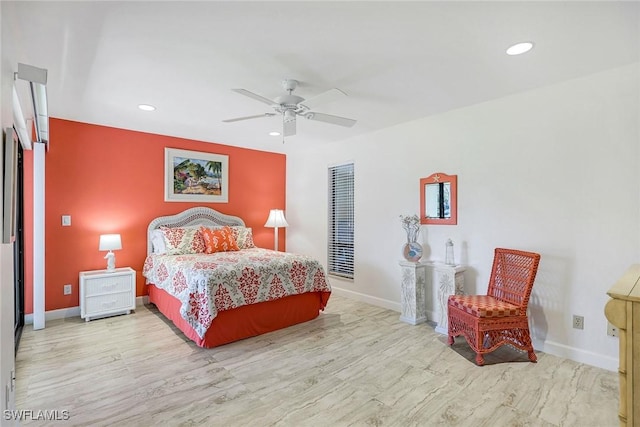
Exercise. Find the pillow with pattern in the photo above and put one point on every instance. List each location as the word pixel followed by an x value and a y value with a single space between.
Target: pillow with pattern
pixel 244 237
pixel 181 241
pixel 158 245
pixel 218 239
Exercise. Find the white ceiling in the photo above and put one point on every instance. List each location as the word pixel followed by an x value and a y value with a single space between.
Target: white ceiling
pixel 398 61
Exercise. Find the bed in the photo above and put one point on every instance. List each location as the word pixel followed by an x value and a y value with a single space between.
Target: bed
pixel 217 298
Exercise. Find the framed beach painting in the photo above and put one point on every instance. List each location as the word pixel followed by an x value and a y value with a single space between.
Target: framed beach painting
pixel 192 176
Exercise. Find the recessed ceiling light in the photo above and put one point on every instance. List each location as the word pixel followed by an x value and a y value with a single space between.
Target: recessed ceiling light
pixel 146 107
pixel 520 48
pixel 274 133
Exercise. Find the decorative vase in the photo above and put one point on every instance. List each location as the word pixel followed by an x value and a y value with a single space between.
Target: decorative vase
pixel 412 251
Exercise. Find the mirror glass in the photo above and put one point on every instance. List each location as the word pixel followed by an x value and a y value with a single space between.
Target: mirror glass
pixel 438 200
pixel 438 194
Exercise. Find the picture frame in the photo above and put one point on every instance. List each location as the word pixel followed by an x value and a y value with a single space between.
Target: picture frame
pixel 194 176
pixel 9 179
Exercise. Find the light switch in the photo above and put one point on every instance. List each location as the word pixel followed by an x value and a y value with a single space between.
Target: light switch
pixel 66 220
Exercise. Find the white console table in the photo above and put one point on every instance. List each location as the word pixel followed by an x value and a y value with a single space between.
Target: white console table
pixel 448 280
pixel 414 292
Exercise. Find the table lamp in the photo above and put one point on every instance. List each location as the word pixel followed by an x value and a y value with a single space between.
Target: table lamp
pixel 276 219
pixel 110 242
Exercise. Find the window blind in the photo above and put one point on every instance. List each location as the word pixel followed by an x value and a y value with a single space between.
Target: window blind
pixel 340 241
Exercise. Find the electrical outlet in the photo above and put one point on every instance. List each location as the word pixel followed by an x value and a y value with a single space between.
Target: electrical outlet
pixel 612 331
pixel 578 322
pixel 67 289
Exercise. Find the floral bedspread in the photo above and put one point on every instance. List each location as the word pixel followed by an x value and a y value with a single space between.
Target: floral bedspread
pixel 206 284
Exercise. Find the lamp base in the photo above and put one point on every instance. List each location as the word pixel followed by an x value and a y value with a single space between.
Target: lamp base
pixel 275 238
pixel 111 261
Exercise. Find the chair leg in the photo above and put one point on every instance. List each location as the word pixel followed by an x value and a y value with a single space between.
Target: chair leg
pixel 530 352
pixel 479 359
pixel 450 340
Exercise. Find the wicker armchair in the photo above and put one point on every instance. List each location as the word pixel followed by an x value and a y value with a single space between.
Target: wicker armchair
pixel 500 317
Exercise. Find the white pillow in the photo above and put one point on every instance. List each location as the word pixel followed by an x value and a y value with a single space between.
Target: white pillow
pixel 157 242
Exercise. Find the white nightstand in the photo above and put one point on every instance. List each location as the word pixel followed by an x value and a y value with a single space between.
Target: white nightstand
pixel 105 293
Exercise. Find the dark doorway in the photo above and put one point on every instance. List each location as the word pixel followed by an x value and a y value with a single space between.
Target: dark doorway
pixel 18 251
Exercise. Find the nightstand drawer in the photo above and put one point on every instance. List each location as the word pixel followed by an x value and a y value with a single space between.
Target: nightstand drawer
pixel 108 285
pixel 109 303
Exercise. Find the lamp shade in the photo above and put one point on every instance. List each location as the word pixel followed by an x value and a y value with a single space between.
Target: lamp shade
pixel 276 219
pixel 110 242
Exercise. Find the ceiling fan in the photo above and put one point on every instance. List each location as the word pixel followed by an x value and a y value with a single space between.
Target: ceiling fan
pixel 290 106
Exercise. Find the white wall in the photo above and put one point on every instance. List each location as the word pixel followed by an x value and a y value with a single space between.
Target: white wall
pixel 553 170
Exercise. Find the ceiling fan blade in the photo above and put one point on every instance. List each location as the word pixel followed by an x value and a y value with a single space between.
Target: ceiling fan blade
pixel 254 96
pixel 324 98
pixel 237 119
pixel 289 126
pixel 328 118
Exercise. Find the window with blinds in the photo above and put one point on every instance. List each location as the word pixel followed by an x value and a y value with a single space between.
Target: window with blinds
pixel 340 241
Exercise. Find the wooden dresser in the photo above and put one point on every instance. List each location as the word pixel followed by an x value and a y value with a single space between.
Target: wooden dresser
pixel 623 311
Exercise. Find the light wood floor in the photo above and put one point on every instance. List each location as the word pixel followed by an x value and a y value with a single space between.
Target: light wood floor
pixel 355 364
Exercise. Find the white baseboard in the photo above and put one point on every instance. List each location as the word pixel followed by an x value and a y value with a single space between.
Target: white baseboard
pixel 379 302
pixel 577 355
pixel 65 313
pixel 62 313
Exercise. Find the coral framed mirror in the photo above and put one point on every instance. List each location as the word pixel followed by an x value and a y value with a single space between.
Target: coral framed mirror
pixel 439 199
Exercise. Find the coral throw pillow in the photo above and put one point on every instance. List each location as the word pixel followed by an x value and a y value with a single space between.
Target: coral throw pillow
pixel 218 239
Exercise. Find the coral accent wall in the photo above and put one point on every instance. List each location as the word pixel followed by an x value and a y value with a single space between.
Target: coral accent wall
pixel 112 181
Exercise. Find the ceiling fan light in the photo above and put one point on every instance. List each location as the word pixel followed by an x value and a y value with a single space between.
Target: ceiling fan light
pixel 274 133
pixel 289 115
pixel 519 48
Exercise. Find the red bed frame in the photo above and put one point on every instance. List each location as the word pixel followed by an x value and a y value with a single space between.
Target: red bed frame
pixel 245 321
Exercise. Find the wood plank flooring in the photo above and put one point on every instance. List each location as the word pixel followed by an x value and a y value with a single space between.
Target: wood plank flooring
pixel 355 365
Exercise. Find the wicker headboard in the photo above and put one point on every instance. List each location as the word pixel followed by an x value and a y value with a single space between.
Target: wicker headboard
pixel 192 216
